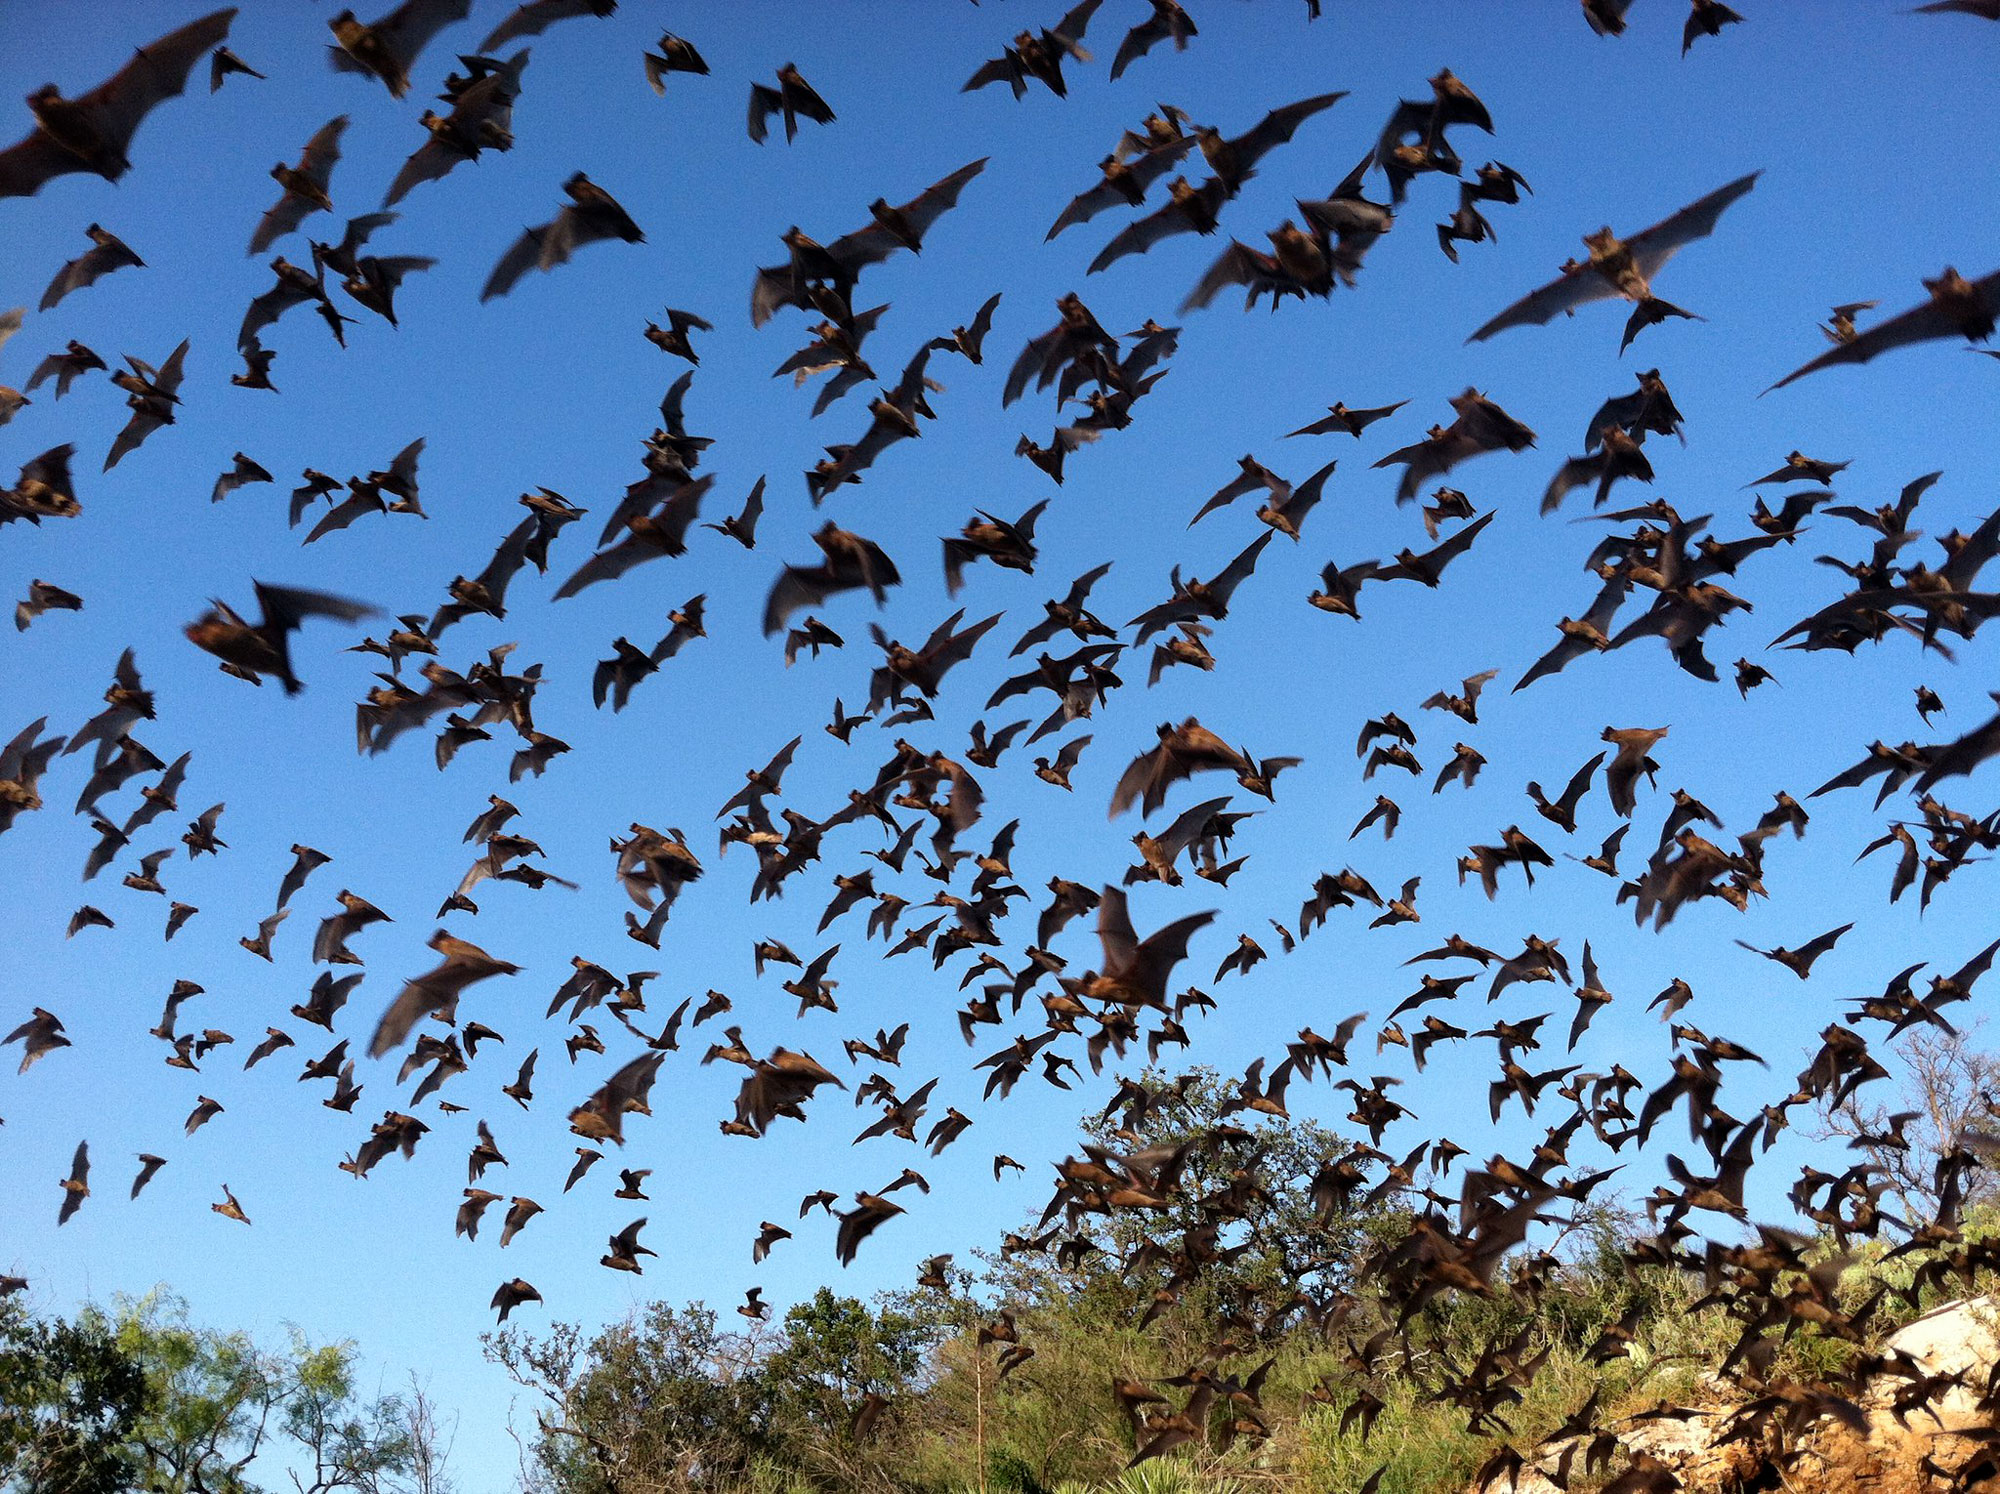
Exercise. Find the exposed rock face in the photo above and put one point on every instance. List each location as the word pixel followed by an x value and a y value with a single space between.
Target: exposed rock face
pixel 1904 1440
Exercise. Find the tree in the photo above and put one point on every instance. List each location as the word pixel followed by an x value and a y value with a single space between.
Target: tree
pixel 657 1402
pixel 1948 1085
pixel 70 1399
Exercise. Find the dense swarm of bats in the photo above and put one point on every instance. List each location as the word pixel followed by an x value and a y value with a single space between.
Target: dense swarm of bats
pixel 916 809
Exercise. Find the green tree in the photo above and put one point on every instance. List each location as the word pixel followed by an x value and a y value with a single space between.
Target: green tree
pixel 70 1399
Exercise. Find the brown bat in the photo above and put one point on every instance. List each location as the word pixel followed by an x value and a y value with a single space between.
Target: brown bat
pixel 1038 56
pixel 109 252
pixel 93 131
pixel 249 650
pixel 592 214
pixel 1481 426
pixel 388 48
pixel 838 265
pixel 481 119
pixel 851 563
pixel 1622 267
pixel 794 98
pixel 305 186
pixel 436 990
pixel 1957 307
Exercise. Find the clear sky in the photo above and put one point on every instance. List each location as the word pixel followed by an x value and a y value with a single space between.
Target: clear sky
pixel 1865 123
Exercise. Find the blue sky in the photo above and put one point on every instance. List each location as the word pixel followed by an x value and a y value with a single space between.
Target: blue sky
pixel 1872 178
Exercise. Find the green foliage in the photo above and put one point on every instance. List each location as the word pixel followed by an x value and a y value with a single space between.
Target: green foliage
pixel 70 1399
pixel 140 1397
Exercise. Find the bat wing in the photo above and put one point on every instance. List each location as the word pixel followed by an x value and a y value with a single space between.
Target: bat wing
pixel 1085 206
pixel 285 607
pixel 526 253
pixel 536 16
pixel 1239 264
pixel 1071 27
pixel 1238 570
pixel 143 423
pixel 764 102
pixel 156 73
pixel 1140 40
pixel 1139 236
pixel 1918 324
pixel 1653 247
pixel 804 101
pixel 430 162
pixel 1154 960
pixel 873 244
pixel 345 513
pixel 1002 69
pixel 284 216
pixel 1459 543
pixel 1573 288
pixel 1279 126
pixel 958 647
pixel 609 565
pixel 408 29
pixel 25 168
pixel 266 309
pixel 797 586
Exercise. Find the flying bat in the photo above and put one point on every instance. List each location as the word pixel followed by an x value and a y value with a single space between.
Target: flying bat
pixel 93 131
pixel 109 252
pixel 592 214
pixel 249 649
pixel 1957 307
pixel 1622 267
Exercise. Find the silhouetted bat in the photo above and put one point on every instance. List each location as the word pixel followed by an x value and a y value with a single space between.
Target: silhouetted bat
pixel 152 400
pixel 1428 566
pixel 840 263
pixel 388 48
pixel 1621 267
pixel 851 562
pixel 676 55
pixel 294 288
pixel 1481 426
pixel 1034 56
pixel 1167 23
pixel 1136 972
pixel 93 131
pixel 794 98
pixel 1957 306
pixel 481 119
pixel 1125 181
pixel 64 367
pixel 305 186
pixel 1234 161
pixel 1187 210
pixel 221 63
pixel 435 990
pixel 592 214
pixel 110 253
pixel 661 533
pixel 264 647
pixel 1198 599
pixel 1354 422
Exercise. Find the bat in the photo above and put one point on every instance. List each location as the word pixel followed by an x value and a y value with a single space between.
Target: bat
pixel 387 48
pixel 93 131
pixel 592 214
pixel 109 253
pixel 1621 267
pixel 305 186
pixel 1957 307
